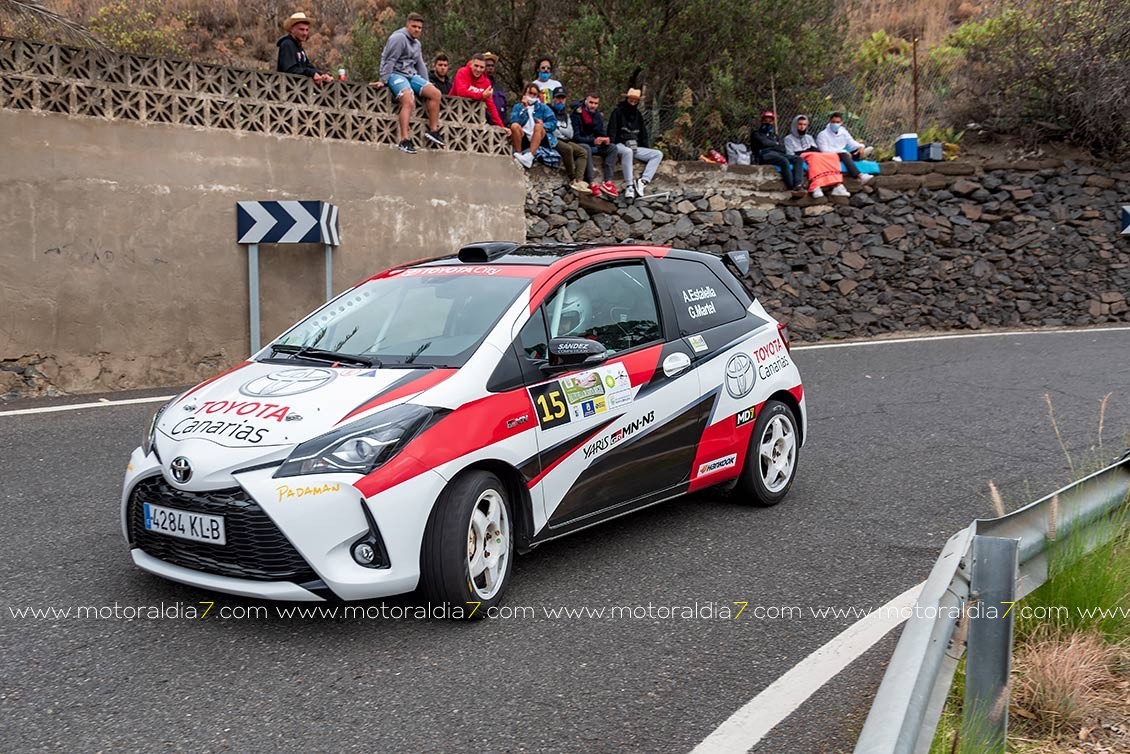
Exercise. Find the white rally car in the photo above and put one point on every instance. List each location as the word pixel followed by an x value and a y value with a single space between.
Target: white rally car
pixel 426 425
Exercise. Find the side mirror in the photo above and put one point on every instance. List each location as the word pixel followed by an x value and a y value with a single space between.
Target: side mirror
pixel 566 353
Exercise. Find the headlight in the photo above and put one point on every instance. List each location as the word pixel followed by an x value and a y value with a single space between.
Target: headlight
pixel 147 444
pixel 360 447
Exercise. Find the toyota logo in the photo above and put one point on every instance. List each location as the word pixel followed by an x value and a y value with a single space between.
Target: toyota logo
pixel 287 382
pixel 740 375
pixel 181 468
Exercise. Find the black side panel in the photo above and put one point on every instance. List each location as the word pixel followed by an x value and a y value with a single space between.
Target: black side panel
pixel 641 467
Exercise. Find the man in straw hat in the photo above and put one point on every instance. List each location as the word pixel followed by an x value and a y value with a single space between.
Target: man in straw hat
pixel 628 132
pixel 292 58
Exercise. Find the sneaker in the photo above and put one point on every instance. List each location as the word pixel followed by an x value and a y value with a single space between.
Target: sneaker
pixel 797 193
pixel 406 146
pixel 608 188
pixel 867 152
pixel 817 193
pixel 435 138
pixel 640 186
pixel 839 190
pixel 581 187
pixel 596 190
pixel 630 192
pixel 525 159
pixel 865 177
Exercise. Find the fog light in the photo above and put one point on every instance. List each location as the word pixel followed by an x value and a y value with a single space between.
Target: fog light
pixel 364 553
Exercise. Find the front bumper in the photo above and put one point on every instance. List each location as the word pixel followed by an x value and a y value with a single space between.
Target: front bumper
pixel 288 538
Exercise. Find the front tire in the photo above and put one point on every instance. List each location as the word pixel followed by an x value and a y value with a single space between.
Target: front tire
pixel 468 545
pixel 771 460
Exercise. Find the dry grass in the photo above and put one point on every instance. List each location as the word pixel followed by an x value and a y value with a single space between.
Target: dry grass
pixel 929 20
pixel 1067 685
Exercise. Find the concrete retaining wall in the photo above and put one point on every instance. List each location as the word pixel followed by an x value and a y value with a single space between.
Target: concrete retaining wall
pixel 119 262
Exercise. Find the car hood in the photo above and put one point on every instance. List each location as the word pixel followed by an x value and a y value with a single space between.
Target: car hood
pixel 259 407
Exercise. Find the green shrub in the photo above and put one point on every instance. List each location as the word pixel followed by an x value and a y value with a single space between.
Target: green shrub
pixel 141 27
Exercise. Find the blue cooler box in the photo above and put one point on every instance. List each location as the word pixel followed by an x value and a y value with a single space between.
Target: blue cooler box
pixel 906 147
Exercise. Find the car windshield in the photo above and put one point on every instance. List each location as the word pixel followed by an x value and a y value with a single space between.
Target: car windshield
pixel 435 319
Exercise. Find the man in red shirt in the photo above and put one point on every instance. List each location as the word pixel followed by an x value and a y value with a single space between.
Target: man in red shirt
pixel 471 82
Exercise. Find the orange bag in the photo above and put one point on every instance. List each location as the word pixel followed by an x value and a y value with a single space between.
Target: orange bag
pixel 823 169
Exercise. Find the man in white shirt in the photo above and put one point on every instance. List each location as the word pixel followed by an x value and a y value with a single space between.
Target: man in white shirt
pixel 836 138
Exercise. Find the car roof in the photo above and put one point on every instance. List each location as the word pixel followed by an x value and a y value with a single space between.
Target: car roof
pixel 543 254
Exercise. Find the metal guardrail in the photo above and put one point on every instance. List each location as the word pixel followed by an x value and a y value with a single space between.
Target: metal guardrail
pixel 910 699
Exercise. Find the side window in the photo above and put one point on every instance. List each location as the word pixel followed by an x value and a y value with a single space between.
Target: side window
pixel 532 341
pixel 613 305
pixel 702 301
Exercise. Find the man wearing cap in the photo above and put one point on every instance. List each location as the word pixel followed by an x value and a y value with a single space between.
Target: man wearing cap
pixel 471 82
pixel 499 96
pixel 403 71
pixel 770 150
pixel 627 130
pixel 574 157
pixel 292 58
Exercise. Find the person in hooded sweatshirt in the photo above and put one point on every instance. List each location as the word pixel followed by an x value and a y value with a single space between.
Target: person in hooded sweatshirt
pixel 404 72
pixel 471 82
pixel 628 132
pixel 836 138
pixel 799 139
pixel 292 58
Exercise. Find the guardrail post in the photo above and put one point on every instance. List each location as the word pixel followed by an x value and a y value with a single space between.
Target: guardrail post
pixel 989 659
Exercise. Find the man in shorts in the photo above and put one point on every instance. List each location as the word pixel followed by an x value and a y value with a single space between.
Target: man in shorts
pixel 404 72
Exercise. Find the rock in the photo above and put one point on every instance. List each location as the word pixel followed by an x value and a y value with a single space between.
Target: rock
pixel 717 203
pixel 595 204
pixel 1021 194
pixel 846 286
pixel 685 207
pixel 893 233
pixel 964 187
pixel 853 260
pixel 971 211
pixel 1099 181
pixel 816 210
pixel 732 218
pixel 684 226
pixel 885 252
pixel 12 383
pixel 1112 297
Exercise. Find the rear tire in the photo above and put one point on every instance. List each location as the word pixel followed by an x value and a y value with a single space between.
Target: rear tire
pixel 468 546
pixel 771 460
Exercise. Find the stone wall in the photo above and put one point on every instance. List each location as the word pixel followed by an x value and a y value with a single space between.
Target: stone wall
pixel 925 246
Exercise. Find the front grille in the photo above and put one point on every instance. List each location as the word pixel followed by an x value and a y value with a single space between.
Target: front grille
pixel 255 547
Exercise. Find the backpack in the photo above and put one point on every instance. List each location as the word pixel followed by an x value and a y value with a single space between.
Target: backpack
pixel 738 154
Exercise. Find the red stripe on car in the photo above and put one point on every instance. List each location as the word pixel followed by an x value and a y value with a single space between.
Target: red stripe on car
pixel 426 380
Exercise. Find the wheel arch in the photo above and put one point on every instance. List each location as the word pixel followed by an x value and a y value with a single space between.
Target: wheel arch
pixel 790 400
pixel 521 504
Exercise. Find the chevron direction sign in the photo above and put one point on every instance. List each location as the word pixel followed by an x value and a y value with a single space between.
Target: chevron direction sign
pixel 1126 219
pixel 287 222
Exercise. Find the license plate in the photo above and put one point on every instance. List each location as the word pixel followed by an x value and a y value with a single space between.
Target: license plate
pixel 199 527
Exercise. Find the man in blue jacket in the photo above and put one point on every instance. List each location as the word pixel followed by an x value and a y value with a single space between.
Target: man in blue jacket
pixel 588 132
pixel 531 122
pixel 404 72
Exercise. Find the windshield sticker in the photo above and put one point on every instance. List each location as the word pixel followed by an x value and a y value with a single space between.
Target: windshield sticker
pixel 698 343
pixel 700 301
pixel 468 270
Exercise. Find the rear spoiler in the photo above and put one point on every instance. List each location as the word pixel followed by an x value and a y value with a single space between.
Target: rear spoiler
pixel 738 261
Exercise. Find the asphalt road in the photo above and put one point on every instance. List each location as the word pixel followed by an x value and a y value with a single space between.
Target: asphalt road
pixel 904 438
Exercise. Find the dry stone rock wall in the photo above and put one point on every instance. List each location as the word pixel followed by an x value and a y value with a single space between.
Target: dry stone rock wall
pixel 925 246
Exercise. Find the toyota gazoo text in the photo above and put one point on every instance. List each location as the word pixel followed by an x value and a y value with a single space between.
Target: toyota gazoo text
pixel 428 424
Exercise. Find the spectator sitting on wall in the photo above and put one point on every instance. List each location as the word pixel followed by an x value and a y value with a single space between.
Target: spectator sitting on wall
pixel 799 139
pixel 769 150
pixel 292 58
pixel 531 122
pixel 836 138
pixel 403 71
pixel 588 132
pixel 543 69
pixel 438 77
pixel 628 132
pixel 471 82
pixel 574 157
pixel 499 91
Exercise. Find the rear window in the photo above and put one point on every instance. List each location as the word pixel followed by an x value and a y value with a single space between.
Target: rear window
pixel 701 299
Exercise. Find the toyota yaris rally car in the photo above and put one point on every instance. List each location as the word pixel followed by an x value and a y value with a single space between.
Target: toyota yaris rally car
pixel 426 425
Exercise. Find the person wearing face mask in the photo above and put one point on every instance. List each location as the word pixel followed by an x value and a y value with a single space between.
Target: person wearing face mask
pixel 531 122
pixel 471 82
pixel 628 132
pixel 589 133
pixel 836 138
pixel 769 150
pixel 545 81
pixel 574 157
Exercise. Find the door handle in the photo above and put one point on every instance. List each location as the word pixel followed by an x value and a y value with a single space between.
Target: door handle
pixel 676 363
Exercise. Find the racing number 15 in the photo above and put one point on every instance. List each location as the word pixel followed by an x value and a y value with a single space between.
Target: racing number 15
pixel 550 402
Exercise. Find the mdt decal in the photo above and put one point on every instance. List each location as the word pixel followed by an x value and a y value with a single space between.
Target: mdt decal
pixel 614 438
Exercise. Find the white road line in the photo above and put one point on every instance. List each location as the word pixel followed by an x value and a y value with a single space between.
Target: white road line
pixel 742 731
pixel 813 347
pixel 962 336
pixel 77 406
